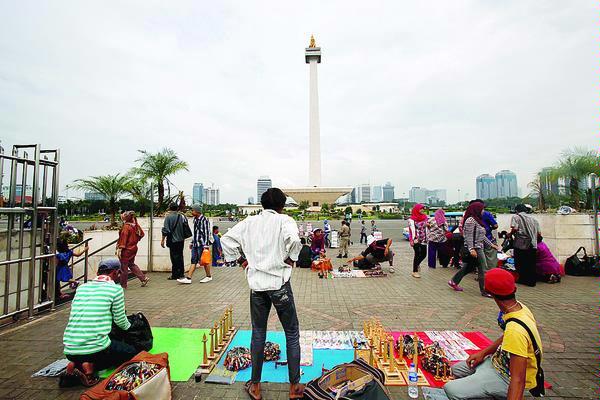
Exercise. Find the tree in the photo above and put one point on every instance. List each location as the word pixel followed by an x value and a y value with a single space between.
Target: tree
pixel 575 165
pixel 537 190
pixel 303 206
pixel 140 190
pixel 324 208
pixel 113 187
pixel 157 167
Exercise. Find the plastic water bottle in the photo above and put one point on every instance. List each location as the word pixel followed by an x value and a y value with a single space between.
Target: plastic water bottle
pixel 413 378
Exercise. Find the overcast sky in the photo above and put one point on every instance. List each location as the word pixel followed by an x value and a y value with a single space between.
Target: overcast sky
pixel 418 93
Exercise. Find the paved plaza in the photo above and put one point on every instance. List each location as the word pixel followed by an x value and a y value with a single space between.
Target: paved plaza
pixel 567 315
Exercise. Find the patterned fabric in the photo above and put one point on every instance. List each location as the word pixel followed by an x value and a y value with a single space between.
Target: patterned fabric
pixel 475 235
pixel 202 235
pixel 435 231
pixel 417 231
pixel 96 305
pixel 526 226
pixel 267 240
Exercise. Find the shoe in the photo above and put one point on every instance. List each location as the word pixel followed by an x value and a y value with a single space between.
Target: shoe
pixel 206 279
pixel 345 256
pixel 392 270
pixel 171 278
pixel 486 294
pixel 184 280
pixel 339 256
pixel 416 275
pixel 145 282
pixel 454 286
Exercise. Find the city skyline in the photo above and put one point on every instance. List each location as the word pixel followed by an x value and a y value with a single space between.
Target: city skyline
pixel 480 82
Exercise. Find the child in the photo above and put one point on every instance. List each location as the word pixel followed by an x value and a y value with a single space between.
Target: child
pixel 304 258
pixel 63 272
pixel 217 251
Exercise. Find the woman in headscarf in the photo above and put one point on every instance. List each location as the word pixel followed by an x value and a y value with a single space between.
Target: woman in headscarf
pixel 473 251
pixel 437 227
pixel 525 231
pixel 129 236
pixel 417 236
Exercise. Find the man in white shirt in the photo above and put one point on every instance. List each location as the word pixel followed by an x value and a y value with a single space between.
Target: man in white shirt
pixel 270 244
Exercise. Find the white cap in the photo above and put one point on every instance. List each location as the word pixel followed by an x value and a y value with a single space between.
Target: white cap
pixel 370 240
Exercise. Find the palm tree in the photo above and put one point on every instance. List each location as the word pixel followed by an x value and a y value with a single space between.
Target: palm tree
pixel 575 166
pixel 140 190
pixel 113 187
pixel 537 190
pixel 157 167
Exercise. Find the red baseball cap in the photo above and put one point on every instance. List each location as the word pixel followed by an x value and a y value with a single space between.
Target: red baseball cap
pixel 500 282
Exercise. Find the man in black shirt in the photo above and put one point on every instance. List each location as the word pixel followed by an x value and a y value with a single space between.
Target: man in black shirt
pixel 377 251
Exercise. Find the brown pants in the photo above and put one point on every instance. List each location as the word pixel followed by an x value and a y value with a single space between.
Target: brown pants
pixel 344 241
pixel 128 264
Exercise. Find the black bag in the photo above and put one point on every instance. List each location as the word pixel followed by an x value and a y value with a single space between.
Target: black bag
pixel 521 242
pixel 539 390
pixel 354 371
pixel 187 232
pixel 170 235
pixel 139 335
pixel 578 266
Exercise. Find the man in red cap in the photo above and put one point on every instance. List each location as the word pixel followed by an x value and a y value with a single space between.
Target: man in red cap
pixel 514 364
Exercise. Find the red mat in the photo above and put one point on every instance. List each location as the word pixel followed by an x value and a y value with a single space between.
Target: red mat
pixel 477 338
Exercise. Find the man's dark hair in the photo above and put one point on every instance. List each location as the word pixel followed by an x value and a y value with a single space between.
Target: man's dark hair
pixel 507 297
pixel 303 240
pixel 477 201
pixel 173 207
pixel 215 228
pixel 273 199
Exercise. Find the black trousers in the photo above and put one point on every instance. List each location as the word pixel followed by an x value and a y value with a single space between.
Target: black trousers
pixel 420 254
pixel 176 254
pixel 471 264
pixel 114 355
pixel 260 306
pixel 363 236
pixel 525 265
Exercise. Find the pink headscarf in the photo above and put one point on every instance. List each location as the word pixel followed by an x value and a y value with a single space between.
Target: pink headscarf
pixel 440 216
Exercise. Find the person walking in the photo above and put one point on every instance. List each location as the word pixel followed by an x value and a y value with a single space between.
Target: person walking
pixel 490 225
pixel 327 232
pixel 473 251
pixel 417 236
pixel 363 232
pixel 437 227
pixel 525 231
pixel 344 239
pixel 129 236
pixel 173 236
pixel 201 240
pixel 217 251
pixel 271 245
pixel 373 227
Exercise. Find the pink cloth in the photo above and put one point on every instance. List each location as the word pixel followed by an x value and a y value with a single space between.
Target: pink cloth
pixel 440 216
pixel 546 263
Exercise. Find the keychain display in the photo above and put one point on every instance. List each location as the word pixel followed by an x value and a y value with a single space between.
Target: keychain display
pixel 133 376
pixel 238 358
pixel 408 346
pixel 435 361
pixel 272 351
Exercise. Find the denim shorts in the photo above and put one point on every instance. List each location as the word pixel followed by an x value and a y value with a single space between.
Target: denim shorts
pixel 196 253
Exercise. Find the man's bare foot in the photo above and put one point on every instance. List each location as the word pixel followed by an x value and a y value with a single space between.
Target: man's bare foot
pixel 296 391
pixel 253 390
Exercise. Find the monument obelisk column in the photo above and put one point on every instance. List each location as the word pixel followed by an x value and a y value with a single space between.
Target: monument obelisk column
pixel 313 57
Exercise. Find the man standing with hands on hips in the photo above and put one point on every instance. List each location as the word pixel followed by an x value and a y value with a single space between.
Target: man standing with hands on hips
pixel 270 244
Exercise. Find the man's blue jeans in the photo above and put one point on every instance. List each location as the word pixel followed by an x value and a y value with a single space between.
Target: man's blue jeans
pixel 260 306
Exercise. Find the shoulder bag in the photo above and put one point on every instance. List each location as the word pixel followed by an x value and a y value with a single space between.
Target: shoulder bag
pixel 523 242
pixel 170 235
pixel 539 390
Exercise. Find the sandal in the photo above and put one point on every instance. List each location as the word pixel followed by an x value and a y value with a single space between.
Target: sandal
pixel 145 281
pixel 297 392
pixel 247 387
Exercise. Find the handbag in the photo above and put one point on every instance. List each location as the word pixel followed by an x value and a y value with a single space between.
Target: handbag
pixel 205 258
pixel 139 335
pixel 539 390
pixel 353 380
pixel 521 242
pixel 154 387
pixel 187 232
pixel 578 266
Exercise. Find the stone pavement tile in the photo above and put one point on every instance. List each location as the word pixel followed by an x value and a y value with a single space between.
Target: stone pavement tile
pixel 566 313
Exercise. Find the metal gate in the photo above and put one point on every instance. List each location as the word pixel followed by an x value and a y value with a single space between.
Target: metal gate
pixel 28 229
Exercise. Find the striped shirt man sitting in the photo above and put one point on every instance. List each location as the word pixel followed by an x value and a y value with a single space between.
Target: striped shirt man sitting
pixel 95 306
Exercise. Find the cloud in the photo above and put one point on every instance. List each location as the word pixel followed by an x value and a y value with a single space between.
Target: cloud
pixel 420 94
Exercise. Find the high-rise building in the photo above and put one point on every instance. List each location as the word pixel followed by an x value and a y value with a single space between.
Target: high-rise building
pixel 94 196
pixel 436 196
pixel 262 185
pixel 486 187
pixel 548 183
pixel 363 193
pixel 198 193
pixel 388 192
pixel 377 194
pixel 426 196
pixel 506 182
pixel 250 200
pixel 417 195
pixel 211 196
